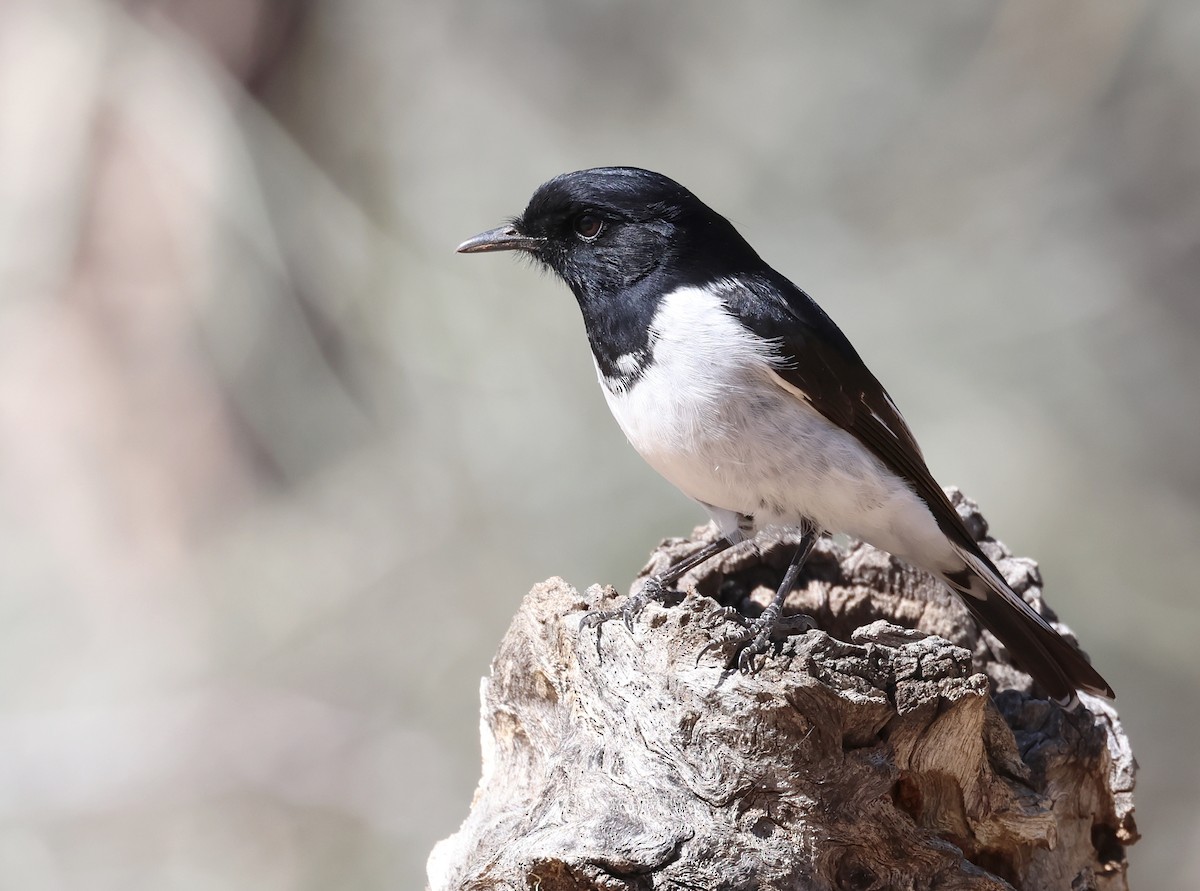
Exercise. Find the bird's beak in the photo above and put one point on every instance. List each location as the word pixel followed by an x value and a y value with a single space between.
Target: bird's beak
pixel 504 238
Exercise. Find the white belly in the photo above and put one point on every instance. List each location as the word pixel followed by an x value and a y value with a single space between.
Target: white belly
pixel 709 416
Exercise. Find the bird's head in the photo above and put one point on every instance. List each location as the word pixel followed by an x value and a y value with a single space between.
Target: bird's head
pixel 605 229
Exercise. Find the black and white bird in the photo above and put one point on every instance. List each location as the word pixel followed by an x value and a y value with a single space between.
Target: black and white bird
pixel 738 388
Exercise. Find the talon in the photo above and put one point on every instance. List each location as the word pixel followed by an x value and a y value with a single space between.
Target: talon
pixel 745 662
pixel 591 620
pixel 596 619
pixel 652 589
pixel 711 645
pixel 726 614
pixel 755 637
pixel 758 646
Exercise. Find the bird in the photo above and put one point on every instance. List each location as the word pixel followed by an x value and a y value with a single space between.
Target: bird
pixel 733 384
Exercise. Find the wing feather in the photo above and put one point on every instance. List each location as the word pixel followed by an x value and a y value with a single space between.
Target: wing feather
pixel 820 364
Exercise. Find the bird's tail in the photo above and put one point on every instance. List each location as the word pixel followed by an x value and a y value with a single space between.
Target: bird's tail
pixel 1056 664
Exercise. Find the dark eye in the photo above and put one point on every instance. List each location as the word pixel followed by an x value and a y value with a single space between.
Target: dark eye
pixel 588 226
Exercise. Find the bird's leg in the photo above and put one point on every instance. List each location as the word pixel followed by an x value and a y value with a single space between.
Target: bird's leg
pixel 755 635
pixel 655 588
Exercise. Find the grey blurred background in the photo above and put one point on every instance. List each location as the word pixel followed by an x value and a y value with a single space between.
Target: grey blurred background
pixel 276 466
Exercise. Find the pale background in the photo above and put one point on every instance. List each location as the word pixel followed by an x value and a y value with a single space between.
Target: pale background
pixel 276 465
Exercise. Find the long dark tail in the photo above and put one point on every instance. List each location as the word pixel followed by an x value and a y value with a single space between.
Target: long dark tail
pixel 1042 652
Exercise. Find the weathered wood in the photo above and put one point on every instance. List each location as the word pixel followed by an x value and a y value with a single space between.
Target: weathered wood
pixel 892 749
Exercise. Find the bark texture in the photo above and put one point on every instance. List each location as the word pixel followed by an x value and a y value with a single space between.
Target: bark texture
pixel 895 748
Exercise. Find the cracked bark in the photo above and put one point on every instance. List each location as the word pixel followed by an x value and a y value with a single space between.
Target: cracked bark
pixel 894 748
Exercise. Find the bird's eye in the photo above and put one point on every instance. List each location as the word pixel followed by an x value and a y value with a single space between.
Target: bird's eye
pixel 588 226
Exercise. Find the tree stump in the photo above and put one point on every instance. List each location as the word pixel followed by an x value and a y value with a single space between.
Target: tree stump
pixel 895 748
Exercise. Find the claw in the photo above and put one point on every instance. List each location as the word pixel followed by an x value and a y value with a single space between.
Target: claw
pixel 726 614
pixel 711 645
pixel 745 661
pixel 754 637
pixel 592 619
pixel 752 649
pixel 652 589
pixel 596 619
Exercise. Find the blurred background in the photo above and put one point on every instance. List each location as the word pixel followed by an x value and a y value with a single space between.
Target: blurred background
pixel 277 466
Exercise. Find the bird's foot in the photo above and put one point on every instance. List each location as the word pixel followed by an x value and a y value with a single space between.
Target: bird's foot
pixel 652 591
pixel 754 636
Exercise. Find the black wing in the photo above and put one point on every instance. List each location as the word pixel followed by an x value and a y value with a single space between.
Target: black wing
pixel 822 365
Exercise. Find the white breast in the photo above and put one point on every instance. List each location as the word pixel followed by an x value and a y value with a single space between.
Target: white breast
pixel 710 414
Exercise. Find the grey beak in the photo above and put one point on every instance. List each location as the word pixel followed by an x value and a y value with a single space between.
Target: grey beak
pixel 504 238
